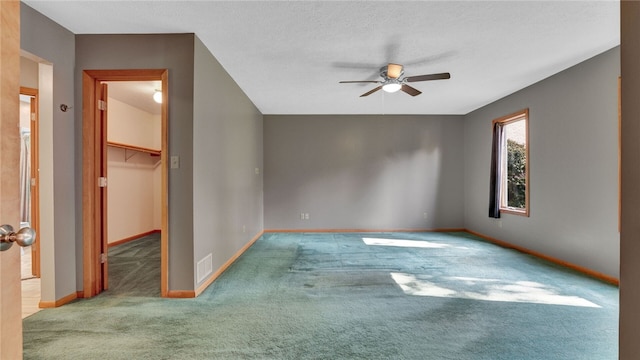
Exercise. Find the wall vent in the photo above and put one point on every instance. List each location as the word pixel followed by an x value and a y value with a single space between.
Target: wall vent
pixel 204 267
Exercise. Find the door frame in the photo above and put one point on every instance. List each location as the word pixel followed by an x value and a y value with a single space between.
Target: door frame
pixel 93 149
pixel 35 175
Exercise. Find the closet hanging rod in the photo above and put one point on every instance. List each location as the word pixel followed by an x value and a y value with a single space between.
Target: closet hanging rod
pixel 133 147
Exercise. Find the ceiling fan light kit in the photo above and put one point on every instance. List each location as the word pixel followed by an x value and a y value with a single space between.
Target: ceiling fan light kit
pixel 391 85
pixel 392 82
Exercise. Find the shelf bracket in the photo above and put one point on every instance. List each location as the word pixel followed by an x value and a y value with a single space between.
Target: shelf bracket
pixel 133 153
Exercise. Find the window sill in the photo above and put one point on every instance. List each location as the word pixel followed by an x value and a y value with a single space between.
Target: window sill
pixel 515 211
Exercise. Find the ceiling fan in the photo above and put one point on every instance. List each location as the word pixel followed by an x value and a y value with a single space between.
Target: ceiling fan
pixel 392 82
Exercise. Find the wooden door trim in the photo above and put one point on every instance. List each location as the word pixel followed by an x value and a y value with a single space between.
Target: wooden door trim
pixel 92 212
pixel 90 194
pixel 101 137
pixel 35 174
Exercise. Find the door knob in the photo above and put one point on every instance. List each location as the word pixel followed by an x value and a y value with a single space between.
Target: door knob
pixel 24 237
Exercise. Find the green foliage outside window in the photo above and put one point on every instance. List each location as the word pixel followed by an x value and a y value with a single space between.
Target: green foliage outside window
pixel 516 174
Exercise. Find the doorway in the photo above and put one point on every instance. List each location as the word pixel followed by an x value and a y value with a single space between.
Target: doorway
pixel 95 173
pixel 133 196
pixel 29 198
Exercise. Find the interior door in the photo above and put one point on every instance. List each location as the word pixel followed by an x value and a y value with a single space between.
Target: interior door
pixel 35 180
pixel 34 212
pixel 103 92
pixel 10 296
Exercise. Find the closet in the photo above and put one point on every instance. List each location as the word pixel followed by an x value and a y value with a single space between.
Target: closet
pixel 133 172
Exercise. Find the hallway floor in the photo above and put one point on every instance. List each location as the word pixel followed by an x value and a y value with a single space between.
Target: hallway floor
pixel 30 285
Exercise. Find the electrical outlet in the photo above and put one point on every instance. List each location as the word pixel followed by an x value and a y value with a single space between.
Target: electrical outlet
pixel 244 228
pixel 306 216
pixel 425 216
pixel 257 171
pixel 301 216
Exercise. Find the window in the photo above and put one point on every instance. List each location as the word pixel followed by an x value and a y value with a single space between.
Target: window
pixel 510 165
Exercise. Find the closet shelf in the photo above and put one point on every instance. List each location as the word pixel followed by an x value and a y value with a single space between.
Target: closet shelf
pixel 126 147
pixel 133 147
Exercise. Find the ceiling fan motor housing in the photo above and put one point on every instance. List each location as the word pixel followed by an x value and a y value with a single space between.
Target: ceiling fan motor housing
pixel 385 75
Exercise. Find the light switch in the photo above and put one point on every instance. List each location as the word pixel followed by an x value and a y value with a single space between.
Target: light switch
pixel 175 162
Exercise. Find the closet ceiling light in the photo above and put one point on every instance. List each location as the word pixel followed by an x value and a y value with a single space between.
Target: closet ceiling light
pixel 157 96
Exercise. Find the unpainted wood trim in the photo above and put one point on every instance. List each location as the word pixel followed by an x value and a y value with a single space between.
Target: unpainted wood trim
pixel 360 230
pixel 619 151
pixel 516 116
pixel 131 238
pixel 89 178
pixel 28 91
pixel 134 147
pixel 128 75
pixel 62 301
pixel 10 314
pixel 101 139
pixel 592 273
pixel 226 265
pixel 527 167
pixel 164 185
pixel 514 211
pixel 511 117
pixel 181 294
pixel 35 174
pixel 91 156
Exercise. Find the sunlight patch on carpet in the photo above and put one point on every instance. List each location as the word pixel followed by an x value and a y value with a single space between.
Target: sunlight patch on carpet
pixel 486 290
pixel 404 243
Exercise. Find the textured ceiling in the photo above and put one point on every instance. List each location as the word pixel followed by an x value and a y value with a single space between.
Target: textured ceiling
pixel 288 56
pixel 136 93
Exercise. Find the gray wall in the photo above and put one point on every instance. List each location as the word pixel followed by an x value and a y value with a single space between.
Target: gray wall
pixel 573 138
pixel 54 44
pixel 220 127
pixel 28 73
pixel 227 148
pixel 363 172
pixel 175 53
pixel 370 172
pixel 630 226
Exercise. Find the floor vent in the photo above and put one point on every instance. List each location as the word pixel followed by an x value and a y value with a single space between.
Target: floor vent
pixel 204 268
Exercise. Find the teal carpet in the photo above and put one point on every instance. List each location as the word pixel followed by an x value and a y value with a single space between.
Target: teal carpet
pixel 134 267
pixel 351 296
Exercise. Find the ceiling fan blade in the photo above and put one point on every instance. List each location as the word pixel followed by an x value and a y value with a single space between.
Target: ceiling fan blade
pixel 441 76
pixel 359 81
pixel 394 71
pixel 410 90
pixel 371 91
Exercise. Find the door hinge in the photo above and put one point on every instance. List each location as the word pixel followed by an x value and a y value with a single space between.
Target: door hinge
pixel 33 116
pixel 102 182
pixel 103 258
pixel 102 105
pixel 33 181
